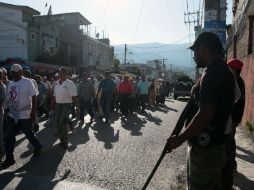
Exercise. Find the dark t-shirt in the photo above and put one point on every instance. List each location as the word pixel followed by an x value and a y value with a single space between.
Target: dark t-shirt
pixel 217 87
pixel 238 109
pixel 108 86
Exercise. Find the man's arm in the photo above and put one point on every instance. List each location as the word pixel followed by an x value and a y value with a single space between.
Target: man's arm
pixel 200 121
pixel 99 89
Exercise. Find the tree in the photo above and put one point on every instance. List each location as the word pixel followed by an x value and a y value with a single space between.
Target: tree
pixel 116 64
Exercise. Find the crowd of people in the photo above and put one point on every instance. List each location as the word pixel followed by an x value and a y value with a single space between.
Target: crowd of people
pixel 28 97
pixel 219 104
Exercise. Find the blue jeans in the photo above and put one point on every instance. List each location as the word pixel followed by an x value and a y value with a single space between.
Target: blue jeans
pixel 62 117
pixel 26 126
pixel 85 105
pixel 143 98
pixel 105 105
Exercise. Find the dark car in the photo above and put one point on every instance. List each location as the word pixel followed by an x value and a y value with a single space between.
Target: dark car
pixel 182 87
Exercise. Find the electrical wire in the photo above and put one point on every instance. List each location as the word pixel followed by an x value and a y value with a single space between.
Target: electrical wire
pixel 139 17
pixel 104 11
pixel 173 43
pixel 124 35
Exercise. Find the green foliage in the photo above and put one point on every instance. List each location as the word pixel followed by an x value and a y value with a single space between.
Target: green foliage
pixel 249 126
pixel 116 64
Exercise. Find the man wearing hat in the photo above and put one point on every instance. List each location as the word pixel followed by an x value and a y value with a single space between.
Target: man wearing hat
pixel 108 89
pixel 21 102
pixel 208 129
pixel 65 94
pixel 237 114
pixel 86 94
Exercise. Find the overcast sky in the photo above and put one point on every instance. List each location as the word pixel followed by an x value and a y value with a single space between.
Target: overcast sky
pixel 128 21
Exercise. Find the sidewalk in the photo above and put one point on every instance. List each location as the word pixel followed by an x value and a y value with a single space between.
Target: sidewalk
pixel 244 178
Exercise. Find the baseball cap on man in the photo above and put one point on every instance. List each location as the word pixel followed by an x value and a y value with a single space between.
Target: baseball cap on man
pixel 209 40
pixel 236 64
pixel 16 68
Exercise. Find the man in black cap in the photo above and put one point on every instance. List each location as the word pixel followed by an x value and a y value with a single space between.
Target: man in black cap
pixel 208 128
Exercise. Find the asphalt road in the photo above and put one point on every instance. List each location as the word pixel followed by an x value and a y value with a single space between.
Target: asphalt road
pixel 119 155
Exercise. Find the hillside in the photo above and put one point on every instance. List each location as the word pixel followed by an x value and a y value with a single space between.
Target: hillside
pixel 176 54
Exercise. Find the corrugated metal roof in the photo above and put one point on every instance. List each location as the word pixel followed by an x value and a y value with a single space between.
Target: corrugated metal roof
pixel 24 8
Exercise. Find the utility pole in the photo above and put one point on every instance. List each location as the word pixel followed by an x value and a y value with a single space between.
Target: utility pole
pixel 125 52
pixel 197 27
pixel 163 68
pixel 171 73
pixel 215 18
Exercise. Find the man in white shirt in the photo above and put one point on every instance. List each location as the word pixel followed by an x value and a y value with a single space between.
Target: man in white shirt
pixel 21 102
pixel 65 93
pixel 35 121
pixel 2 100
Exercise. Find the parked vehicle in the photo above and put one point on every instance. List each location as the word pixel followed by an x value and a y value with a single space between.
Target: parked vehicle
pixel 182 87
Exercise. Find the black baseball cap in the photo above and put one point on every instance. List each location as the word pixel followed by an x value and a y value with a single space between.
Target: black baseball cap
pixel 209 40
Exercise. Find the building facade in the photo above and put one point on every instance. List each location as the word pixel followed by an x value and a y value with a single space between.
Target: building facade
pixel 140 69
pixel 97 55
pixel 16 27
pixel 60 39
pixel 241 46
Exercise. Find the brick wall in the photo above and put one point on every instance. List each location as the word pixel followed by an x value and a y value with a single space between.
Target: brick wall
pixel 247 74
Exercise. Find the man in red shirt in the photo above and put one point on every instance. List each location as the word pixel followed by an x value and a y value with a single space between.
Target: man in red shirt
pixel 124 89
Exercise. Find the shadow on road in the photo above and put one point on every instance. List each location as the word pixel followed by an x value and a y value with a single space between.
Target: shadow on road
pixel 249 156
pixel 169 108
pixel 80 136
pixel 183 99
pixel 30 174
pixel 105 133
pixel 133 123
pixel 243 182
pixel 151 118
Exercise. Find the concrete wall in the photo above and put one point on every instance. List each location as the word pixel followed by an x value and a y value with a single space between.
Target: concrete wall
pixel 13 34
pixel 240 30
pixel 96 53
pixel 33 43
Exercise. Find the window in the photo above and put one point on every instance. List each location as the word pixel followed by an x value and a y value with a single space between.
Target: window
pixel 33 36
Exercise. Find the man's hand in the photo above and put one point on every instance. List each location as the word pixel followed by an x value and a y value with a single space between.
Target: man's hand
pixel 174 142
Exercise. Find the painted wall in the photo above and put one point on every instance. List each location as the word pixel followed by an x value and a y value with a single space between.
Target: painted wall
pixel 13 34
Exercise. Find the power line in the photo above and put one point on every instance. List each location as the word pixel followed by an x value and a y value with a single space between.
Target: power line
pixel 139 17
pixel 160 52
pixel 104 12
pixel 123 34
pixel 173 43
